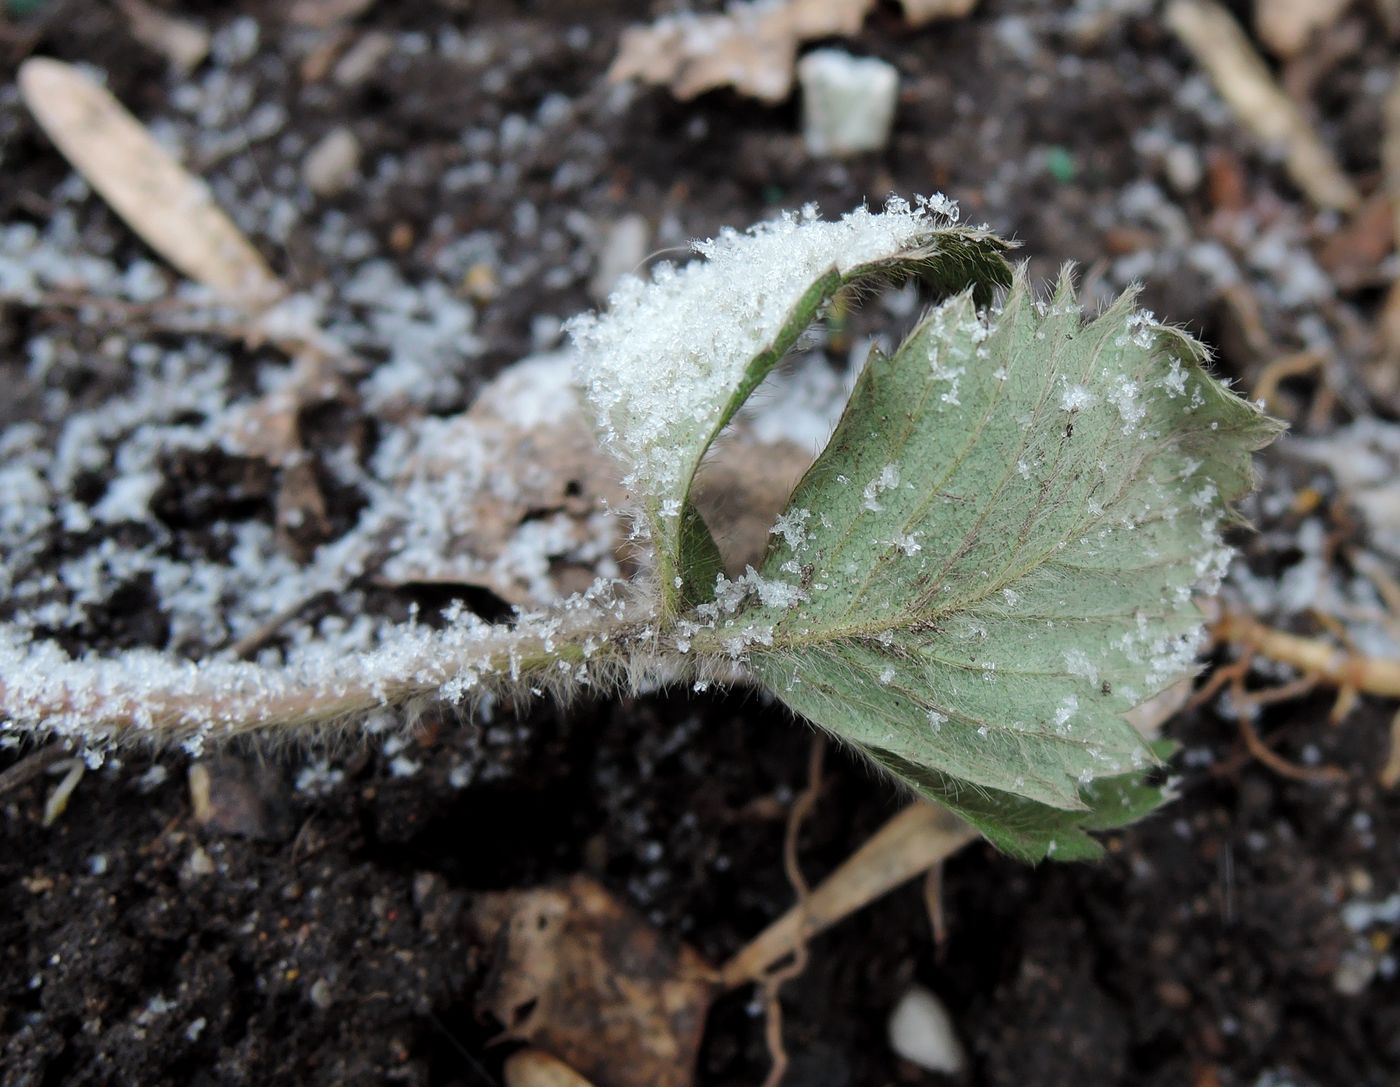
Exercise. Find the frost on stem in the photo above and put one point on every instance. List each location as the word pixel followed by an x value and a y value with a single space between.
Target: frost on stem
pixel 588 641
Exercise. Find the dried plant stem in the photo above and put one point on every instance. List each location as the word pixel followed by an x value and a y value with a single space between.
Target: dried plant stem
pixel 1313 657
pixel 913 841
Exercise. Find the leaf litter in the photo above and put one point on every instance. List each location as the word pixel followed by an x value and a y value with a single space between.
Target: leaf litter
pixel 752 46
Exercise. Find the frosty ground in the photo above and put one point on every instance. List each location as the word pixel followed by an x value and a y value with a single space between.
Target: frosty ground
pixel 1240 937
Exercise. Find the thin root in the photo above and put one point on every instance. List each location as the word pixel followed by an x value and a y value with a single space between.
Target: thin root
pixel 773 981
pixel 1323 661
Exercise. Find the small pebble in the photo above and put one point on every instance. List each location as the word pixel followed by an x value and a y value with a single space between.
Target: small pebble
pixel 921 1032
pixel 623 248
pixel 1184 168
pixel 362 59
pixel 847 102
pixel 1354 973
pixel 333 164
pixel 199 864
pixel 320 994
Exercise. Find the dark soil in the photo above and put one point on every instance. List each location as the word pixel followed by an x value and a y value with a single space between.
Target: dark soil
pixel 321 939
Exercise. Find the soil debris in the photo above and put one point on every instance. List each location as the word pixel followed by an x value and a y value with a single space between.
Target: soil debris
pixel 583 976
pixel 752 47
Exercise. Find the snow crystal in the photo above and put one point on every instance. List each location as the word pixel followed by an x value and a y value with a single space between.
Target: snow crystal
pixel 1077 663
pixel 1125 395
pixel 908 543
pixel 771 592
pixel 886 480
pixel 1076 398
pixel 792 527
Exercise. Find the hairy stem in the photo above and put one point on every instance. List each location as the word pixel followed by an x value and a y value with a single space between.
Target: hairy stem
pixel 586 643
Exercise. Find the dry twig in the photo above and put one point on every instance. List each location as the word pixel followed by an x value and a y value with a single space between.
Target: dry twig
pixel 1243 80
pixel 1322 660
pixel 912 842
pixel 173 211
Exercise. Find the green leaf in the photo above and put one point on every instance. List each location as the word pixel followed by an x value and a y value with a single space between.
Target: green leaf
pixel 996 555
pixel 700 563
pixel 668 366
pixel 1029 831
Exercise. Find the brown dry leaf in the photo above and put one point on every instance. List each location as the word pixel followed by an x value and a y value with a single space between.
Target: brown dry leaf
pixel 303 523
pixel 1353 255
pixel 1244 81
pixel 173 211
pixel 1285 26
pixel 324 14
pixel 180 41
pixel 581 975
pixel 1390 162
pixel 741 491
pixel 752 47
pixel 270 427
pixel 528 474
pixel 523 462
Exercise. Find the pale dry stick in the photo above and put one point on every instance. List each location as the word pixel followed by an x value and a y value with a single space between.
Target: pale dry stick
pixel 911 843
pixel 933 906
pixel 1385 582
pixel 774 979
pixel 1390 162
pixel 31 766
pixel 183 43
pixel 1293 365
pixel 173 211
pixel 1244 81
pixel 1333 666
pixel 1389 776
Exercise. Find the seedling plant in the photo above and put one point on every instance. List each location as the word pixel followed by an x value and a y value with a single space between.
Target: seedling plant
pixel 998 554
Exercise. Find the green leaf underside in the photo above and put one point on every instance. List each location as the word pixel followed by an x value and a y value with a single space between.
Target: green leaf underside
pixel 701 561
pixel 998 550
pixel 1029 831
pixel 950 260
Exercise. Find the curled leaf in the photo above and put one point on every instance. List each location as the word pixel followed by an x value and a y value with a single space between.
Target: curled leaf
pixel 666 368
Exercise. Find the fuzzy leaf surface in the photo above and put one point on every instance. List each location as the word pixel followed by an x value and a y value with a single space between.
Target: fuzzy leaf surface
pixel 672 361
pixel 996 555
